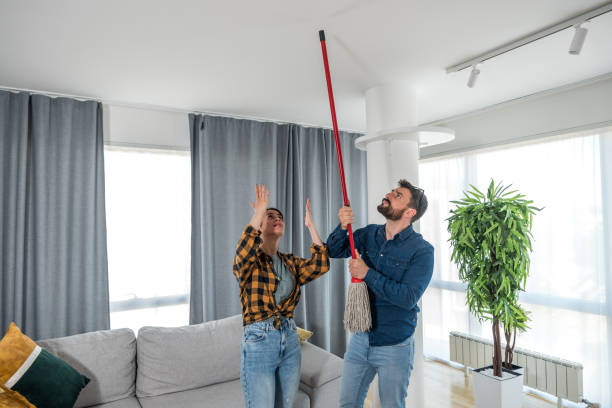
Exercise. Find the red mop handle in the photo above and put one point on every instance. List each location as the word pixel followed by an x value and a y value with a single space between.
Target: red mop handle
pixel 332 107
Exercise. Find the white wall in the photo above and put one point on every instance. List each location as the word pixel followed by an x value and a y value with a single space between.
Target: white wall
pixel 576 107
pixel 573 108
pixel 145 127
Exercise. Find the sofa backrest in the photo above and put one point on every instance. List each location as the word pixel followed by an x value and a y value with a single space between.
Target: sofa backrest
pixel 172 359
pixel 107 357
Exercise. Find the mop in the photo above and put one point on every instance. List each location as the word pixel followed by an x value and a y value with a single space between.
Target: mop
pixel 357 316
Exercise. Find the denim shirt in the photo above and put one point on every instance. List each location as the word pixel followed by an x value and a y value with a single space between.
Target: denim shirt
pixel 399 271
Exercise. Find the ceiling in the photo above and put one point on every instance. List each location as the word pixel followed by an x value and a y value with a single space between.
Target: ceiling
pixel 263 58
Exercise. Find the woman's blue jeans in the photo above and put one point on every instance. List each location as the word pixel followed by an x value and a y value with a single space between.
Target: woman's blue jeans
pixel 270 364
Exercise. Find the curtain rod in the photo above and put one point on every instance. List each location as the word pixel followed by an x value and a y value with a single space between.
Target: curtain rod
pixel 167 108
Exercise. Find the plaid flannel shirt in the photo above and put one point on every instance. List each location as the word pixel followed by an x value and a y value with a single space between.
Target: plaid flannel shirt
pixel 254 272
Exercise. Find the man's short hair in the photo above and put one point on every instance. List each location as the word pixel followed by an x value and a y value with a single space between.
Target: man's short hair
pixel 418 200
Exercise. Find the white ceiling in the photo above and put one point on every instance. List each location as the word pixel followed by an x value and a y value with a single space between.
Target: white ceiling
pixel 263 58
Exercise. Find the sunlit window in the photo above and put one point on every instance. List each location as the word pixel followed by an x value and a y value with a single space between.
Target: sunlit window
pixel 567 291
pixel 148 227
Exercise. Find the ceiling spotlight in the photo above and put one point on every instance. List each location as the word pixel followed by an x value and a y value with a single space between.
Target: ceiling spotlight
pixel 473 75
pixel 578 40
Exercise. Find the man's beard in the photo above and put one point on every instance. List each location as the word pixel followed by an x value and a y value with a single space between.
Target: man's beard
pixel 389 213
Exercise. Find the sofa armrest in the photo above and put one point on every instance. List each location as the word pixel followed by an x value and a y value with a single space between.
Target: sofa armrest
pixel 320 376
pixel 319 366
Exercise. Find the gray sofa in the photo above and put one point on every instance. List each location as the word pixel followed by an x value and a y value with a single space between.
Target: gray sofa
pixel 191 366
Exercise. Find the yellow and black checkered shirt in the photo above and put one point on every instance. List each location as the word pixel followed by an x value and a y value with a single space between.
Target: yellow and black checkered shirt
pixel 253 269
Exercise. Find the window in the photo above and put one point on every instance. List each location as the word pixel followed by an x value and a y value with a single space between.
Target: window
pixel 568 291
pixel 148 219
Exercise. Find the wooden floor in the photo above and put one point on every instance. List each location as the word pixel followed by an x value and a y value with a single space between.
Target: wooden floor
pixel 447 387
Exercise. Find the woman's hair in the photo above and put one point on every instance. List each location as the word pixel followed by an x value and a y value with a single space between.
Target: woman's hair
pixel 277 210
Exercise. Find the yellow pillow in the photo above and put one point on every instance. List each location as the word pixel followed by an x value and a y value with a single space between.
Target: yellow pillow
pixel 35 373
pixel 12 399
pixel 303 334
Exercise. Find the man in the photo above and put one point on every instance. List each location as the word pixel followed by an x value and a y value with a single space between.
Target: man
pixel 396 263
pixel 270 284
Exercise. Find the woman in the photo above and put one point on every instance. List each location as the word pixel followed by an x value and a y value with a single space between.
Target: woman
pixel 269 292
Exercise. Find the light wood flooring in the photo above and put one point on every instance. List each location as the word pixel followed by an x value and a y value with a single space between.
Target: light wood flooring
pixel 447 387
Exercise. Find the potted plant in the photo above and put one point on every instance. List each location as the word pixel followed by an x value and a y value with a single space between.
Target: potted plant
pixel 491 239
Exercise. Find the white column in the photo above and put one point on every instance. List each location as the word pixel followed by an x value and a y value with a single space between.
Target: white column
pixel 392 145
pixel 379 179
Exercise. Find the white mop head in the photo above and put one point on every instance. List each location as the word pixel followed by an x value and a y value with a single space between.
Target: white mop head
pixel 357 315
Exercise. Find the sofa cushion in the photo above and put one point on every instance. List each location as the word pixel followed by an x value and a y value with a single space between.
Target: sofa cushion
pixel 183 358
pixel 225 395
pixel 130 402
pixel 107 357
pixel 319 366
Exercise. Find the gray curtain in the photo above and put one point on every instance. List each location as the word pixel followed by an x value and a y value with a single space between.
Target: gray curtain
pixel 230 156
pixel 54 279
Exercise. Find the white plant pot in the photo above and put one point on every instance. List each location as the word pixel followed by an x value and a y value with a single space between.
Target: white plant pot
pixel 496 392
pixel 518 369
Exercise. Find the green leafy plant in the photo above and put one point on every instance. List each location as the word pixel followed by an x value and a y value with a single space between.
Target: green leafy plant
pixel 491 240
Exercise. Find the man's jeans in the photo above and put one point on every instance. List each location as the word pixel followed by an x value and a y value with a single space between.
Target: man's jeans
pixel 362 362
pixel 270 364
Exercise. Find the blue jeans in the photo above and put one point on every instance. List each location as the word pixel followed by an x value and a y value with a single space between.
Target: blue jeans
pixel 362 362
pixel 270 364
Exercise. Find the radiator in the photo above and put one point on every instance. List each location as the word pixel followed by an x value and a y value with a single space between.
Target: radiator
pixel 552 375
